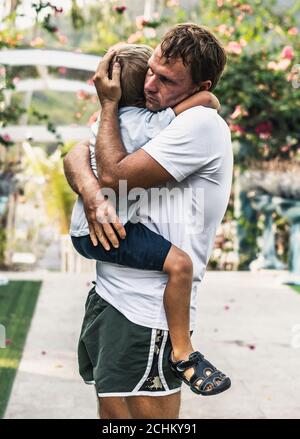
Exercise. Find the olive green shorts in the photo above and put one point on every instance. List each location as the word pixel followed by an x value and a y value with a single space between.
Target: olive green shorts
pixel 121 358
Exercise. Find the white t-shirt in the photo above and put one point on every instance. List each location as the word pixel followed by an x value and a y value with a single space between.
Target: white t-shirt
pixel 196 150
pixel 138 126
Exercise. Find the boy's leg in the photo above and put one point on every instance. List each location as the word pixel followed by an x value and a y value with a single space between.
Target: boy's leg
pixel 179 267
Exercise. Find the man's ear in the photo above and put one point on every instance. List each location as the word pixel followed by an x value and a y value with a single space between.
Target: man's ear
pixel 205 85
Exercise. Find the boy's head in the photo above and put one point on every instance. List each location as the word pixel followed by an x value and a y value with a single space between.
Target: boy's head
pixel 133 59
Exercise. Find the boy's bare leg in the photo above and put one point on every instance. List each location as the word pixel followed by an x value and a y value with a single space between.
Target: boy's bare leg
pixel 154 407
pixel 177 297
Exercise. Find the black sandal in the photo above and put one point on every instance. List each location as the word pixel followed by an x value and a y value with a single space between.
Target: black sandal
pixel 201 369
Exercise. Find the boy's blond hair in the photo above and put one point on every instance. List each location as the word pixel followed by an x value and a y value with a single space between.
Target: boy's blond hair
pixel 133 59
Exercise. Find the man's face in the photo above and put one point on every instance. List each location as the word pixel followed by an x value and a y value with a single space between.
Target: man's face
pixel 167 84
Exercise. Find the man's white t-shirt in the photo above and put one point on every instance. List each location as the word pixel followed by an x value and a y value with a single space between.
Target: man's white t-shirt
pixel 196 150
pixel 137 127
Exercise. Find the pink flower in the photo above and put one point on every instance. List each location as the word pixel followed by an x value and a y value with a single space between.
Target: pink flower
pixel 8 341
pixel 238 112
pixel 62 70
pixel 62 39
pixel 141 22
pixel 16 80
pixel 151 33
pixel 6 138
pixel 285 148
pixel 282 65
pixel 220 3
pixel 287 53
pixel 81 94
pixel 223 29
pixel 37 42
pixel 293 31
pixel 234 47
pixel 236 128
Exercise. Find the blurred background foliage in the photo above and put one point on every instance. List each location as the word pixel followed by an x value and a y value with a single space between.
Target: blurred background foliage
pixel 259 90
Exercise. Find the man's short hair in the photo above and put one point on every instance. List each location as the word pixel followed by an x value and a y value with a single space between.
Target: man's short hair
pixel 198 48
pixel 133 59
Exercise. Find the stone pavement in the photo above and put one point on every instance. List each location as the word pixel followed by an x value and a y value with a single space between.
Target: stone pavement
pixel 247 326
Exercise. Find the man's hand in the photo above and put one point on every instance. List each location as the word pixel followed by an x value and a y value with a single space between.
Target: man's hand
pixel 108 90
pixel 100 213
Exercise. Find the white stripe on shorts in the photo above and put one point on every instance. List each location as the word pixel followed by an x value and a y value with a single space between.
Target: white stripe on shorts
pixel 150 359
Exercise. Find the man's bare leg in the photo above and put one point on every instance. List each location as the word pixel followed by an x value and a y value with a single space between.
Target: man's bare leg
pixel 154 407
pixel 113 407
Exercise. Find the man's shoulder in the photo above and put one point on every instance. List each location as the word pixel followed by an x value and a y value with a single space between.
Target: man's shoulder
pixel 199 120
pixel 199 113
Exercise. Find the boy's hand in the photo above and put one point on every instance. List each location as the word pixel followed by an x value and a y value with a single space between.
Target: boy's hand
pixel 213 101
pixel 108 90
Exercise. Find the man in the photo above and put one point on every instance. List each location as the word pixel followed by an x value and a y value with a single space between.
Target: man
pixel 125 334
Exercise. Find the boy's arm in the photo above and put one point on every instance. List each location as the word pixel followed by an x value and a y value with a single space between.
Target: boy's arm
pixel 205 98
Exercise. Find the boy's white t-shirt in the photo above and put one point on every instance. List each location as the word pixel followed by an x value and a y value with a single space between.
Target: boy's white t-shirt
pixel 137 127
pixel 196 150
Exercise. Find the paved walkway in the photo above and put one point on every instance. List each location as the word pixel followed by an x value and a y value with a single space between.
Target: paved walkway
pixel 245 326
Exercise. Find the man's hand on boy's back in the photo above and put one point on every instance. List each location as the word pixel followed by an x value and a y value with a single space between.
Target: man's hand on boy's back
pixel 108 90
pixel 100 213
pixel 101 216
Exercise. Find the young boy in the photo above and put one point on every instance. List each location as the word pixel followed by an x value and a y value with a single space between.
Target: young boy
pixel 143 248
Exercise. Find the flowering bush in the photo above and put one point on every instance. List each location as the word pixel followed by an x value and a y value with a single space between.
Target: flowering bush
pixel 260 87
pixel 259 90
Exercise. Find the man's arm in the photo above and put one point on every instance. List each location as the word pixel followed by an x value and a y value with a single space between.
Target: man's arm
pixel 113 161
pixel 99 212
pixel 139 169
pixel 77 169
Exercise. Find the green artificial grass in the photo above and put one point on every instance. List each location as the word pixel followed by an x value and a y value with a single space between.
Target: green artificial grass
pixel 296 288
pixel 17 304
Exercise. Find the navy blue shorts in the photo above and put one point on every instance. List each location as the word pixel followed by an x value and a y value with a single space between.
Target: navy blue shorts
pixel 141 248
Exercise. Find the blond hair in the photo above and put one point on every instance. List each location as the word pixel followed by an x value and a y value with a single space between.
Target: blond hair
pixel 133 59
